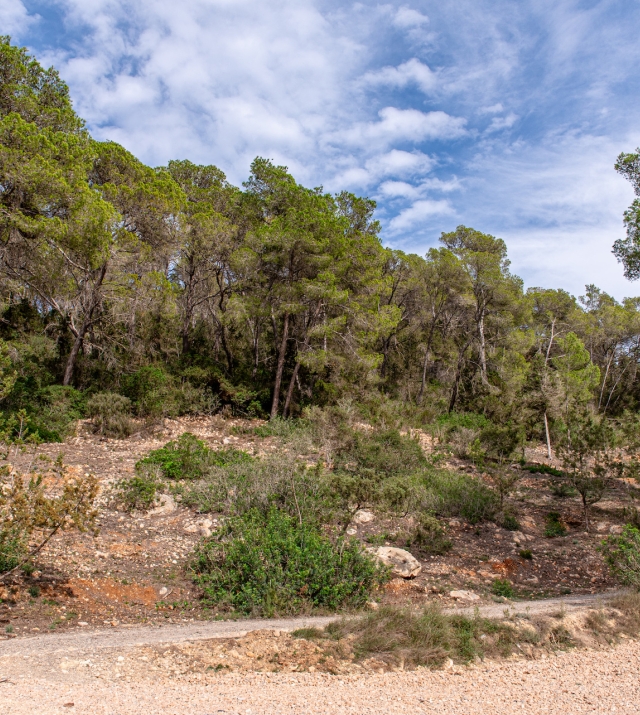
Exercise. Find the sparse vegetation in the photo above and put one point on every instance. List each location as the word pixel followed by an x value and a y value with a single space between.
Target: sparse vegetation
pixel 554 526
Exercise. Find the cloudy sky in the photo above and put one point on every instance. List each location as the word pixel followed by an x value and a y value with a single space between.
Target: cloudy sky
pixel 504 115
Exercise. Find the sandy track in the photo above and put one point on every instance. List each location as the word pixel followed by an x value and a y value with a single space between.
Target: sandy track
pixel 42 675
pixel 569 684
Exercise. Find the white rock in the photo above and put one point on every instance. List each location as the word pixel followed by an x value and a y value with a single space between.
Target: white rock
pixel 351 531
pixel 191 529
pixel 615 529
pixel 602 526
pixel 402 563
pixel 363 517
pixel 464 596
pixel 163 591
pixel 166 505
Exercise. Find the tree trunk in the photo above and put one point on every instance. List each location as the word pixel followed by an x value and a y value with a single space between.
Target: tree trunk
pixel 280 367
pixel 73 355
pixel 424 368
pixel 546 432
pixel 77 345
pixel 483 350
pixel 292 382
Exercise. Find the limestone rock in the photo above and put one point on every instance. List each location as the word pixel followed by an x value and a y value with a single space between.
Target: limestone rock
pixel 464 596
pixel 402 563
pixel 362 517
pixel 615 529
pixel 166 505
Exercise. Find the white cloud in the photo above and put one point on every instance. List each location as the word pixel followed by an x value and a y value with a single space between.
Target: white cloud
pixel 498 123
pixel 407 17
pixel 400 163
pixel 411 72
pixel 404 125
pixel 418 212
pixel 14 17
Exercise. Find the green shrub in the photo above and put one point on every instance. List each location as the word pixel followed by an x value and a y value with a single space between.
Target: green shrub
pixel 137 493
pixel 510 521
pixel 280 427
pixel 562 489
pixel 454 494
pixel 55 412
pixel 622 555
pixel 554 526
pixel 430 536
pixel 526 554
pixel 543 469
pixel 109 413
pixel 189 458
pixel 152 392
pixel 502 587
pixel 274 564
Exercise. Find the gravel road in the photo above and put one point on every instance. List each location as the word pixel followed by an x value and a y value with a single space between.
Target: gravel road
pixel 567 684
pixel 95 674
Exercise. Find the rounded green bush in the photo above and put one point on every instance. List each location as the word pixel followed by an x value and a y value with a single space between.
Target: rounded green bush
pixel 267 564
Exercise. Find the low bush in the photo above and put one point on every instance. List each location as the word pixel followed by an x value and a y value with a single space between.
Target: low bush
pixel 554 526
pixel 189 458
pixel 429 535
pixel 453 494
pixel 622 555
pixel 562 489
pixel 137 493
pixel 274 564
pixel 502 587
pixel 110 414
pixel 543 469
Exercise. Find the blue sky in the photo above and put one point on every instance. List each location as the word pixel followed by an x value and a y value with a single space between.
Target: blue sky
pixel 504 115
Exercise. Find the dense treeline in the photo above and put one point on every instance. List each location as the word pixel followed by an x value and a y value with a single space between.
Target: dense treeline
pixel 184 293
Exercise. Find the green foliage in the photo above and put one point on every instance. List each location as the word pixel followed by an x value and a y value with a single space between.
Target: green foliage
pixel 554 526
pixel 543 469
pixel 429 535
pixel 274 564
pixel 622 555
pixel 110 414
pixel 453 494
pixel 138 493
pixel 189 458
pixel 526 554
pixel 502 587
pixel 510 521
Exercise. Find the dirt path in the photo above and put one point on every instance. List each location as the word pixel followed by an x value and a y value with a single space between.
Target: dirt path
pixel 572 683
pixel 89 640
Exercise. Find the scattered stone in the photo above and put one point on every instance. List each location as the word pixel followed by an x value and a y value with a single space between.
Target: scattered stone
pixel 363 517
pixel 167 505
pixel 615 529
pixel 602 526
pixel 351 531
pixel 163 591
pixel 402 563
pixel 454 522
pixel 82 623
pixel 464 596
pixel 373 606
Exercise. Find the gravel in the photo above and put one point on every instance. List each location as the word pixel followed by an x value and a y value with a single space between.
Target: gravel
pixel 570 683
